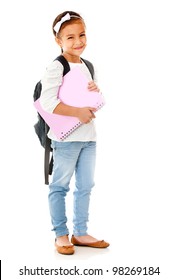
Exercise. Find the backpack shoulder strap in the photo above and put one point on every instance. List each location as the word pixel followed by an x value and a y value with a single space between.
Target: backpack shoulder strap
pixel 65 64
pixel 90 67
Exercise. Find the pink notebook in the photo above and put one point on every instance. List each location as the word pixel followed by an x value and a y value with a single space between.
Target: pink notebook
pixel 73 92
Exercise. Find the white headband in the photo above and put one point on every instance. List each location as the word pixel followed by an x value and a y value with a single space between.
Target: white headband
pixel 63 19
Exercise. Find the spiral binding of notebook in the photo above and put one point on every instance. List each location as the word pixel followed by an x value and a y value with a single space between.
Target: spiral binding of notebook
pixel 65 135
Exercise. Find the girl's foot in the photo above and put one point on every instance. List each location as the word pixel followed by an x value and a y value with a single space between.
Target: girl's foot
pixel 64 246
pixel 89 241
pixel 63 241
pixel 86 239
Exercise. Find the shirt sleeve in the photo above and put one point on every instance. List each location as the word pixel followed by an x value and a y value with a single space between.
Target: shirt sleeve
pixel 51 81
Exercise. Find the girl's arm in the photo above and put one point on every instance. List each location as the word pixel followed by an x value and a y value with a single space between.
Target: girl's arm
pixel 85 115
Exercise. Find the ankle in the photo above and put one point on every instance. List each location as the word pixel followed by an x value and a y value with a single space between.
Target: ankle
pixel 63 240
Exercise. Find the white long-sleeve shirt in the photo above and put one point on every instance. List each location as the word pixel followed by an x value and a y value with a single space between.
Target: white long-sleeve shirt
pixel 51 81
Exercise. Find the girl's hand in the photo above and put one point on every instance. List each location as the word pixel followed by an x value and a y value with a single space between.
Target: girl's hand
pixel 86 114
pixel 92 86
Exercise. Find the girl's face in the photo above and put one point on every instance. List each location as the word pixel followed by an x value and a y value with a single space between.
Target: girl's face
pixel 72 39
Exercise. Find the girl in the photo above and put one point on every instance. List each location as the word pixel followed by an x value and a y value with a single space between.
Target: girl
pixel 78 151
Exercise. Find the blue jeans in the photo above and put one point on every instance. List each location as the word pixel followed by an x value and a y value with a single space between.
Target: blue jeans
pixel 70 157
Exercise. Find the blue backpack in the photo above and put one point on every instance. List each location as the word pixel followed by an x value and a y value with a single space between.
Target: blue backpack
pixel 41 128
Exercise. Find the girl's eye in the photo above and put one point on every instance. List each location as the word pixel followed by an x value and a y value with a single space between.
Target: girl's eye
pixel 82 35
pixel 70 38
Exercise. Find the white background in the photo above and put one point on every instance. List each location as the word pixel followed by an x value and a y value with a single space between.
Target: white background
pixel 133 206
